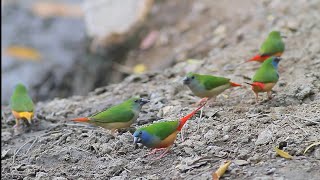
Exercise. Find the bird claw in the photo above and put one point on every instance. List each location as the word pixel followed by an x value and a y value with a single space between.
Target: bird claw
pixel 154 151
pixel 162 155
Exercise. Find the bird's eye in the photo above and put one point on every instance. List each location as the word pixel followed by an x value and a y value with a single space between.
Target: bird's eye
pixel 140 132
pixel 192 77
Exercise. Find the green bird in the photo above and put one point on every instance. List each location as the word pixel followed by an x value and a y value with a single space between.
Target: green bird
pixel 272 46
pixel 207 86
pixel 266 77
pixel 161 135
pixel 21 104
pixel 118 116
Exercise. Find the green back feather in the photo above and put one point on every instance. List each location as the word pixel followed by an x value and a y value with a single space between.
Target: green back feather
pixel 123 112
pixel 266 73
pixel 210 82
pixel 273 44
pixel 20 100
pixel 162 129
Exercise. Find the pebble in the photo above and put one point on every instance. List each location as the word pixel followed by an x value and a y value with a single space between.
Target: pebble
pixel 59 178
pixel 240 162
pixel 264 137
pixel 317 153
pixel 41 175
pixel 5 136
pixel 270 171
pixel 304 92
pixel 254 159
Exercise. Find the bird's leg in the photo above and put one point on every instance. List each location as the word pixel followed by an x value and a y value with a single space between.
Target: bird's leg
pixel 154 151
pixel 113 132
pixel 163 154
pixel 257 97
pixel 203 100
pixel 17 123
pixel 269 95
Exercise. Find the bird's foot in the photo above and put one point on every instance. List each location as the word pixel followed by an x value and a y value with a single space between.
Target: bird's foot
pixel 154 151
pixel 269 95
pixel 202 101
pixel 162 155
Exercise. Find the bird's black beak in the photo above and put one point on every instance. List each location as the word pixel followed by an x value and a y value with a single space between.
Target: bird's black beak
pixel 278 59
pixel 136 140
pixel 143 101
pixel 186 80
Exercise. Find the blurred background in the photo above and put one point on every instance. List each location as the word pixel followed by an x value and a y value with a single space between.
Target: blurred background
pixel 59 48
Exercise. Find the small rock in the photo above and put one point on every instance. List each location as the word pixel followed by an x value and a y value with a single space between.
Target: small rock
pixel 210 135
pixel 117 178
pixel 243 154
pixel 59 178
pixel 304 92
pixel 293 25
pixel 264 137
pixel 225 137
pixel 226 129
pixel 240 162
pixel 270 171
pixel 188 150
pixel 5 153
pixel 41 175
pixel 167 109
pixel 5 136
pixel 317 153
pixel 220 30
pixel 254 159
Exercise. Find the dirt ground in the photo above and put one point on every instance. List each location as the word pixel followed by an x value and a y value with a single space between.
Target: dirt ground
pixel 233 127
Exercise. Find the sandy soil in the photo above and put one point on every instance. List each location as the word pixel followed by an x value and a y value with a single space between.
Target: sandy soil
pixel 233 127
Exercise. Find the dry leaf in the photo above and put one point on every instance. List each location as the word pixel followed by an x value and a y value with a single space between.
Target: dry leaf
pixel 283 153
pixel 313 144
pixel 222 169
pixel 23 53
pixel 225 96
pixel 54 9
pixel 194 61
pixel 139 68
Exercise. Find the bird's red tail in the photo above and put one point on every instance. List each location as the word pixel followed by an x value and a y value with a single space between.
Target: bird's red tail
pixel 187 117
pixel 82 119
pixel 259 58
pixel 234 84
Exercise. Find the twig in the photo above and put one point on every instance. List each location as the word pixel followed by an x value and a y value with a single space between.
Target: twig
pixel 126 169
pixel 36 139
pixel 298 126
pixel 110 157
pixel 304 119
pixel 16 153
pixel 80 149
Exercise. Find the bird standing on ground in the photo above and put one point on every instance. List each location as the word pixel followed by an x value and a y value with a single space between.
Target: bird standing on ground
pixel 266 77
pixel 207 86
pixel 21 104
pixel 161 135
pixel 272 46
pixel 118 116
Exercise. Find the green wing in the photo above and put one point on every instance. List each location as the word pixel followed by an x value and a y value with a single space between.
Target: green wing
pixel 162 129
pixel 271 46
pixel 118 113
pixel 21 103
pixel 211 82
pixel 266 74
